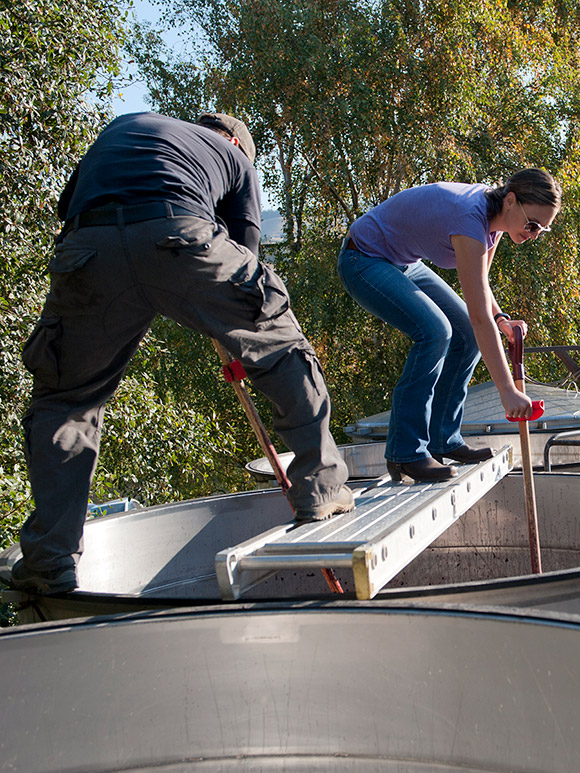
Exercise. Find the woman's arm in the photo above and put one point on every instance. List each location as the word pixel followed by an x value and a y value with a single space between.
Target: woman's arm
pixel 505 326
pixel 472 269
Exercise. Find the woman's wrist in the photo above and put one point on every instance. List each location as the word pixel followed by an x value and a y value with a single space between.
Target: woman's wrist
pixel 506 389
pixel 500 316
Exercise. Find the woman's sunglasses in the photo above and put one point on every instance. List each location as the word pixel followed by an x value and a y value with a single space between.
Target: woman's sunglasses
pixel 532 226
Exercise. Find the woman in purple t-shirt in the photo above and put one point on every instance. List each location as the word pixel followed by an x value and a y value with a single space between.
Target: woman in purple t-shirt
pixel 381 265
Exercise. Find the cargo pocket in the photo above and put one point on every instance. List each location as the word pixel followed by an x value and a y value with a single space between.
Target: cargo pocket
pixel 67 259
pixel 41 353
pixel 198 244
pixel 315 368
pixel 263 290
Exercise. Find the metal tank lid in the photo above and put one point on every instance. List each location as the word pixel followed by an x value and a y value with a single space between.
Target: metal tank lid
pixel 484 413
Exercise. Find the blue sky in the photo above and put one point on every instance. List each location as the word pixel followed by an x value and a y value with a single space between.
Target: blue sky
pixel 131 99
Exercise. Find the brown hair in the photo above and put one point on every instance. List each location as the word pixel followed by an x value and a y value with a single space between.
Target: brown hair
pixel 530 186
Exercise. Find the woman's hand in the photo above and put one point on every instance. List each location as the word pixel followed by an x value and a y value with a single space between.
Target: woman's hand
pixel 506 326
pixel 516 404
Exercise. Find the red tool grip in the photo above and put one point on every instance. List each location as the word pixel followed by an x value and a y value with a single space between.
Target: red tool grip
pixel 234 371
pixel 537 411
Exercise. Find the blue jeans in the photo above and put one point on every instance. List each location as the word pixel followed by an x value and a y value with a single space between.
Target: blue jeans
pixel 428 399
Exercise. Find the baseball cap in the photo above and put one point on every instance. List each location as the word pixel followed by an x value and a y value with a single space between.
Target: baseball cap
pixel 234 127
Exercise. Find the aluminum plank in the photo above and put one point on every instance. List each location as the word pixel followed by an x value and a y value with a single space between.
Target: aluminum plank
pixel 391 525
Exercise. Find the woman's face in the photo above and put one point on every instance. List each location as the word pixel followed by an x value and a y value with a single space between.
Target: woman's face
pixel 526 221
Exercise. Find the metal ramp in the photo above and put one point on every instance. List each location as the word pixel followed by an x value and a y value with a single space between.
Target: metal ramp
pixel 391 525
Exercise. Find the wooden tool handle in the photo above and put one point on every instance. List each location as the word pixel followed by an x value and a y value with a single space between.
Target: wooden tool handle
pixel 516 355
pixel 267 447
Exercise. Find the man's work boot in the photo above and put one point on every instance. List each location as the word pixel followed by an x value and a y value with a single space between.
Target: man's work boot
pixel 43 583
pixel 342 503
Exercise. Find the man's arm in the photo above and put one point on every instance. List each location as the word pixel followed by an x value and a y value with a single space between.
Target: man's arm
pixel 245 233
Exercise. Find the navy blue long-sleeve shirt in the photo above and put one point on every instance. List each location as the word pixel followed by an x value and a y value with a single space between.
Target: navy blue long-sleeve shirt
pixel 144 157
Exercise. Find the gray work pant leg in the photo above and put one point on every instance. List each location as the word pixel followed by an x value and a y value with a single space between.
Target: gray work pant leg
pixel 107 285
pixel 61 449
pixel 224 291
pixel 92 322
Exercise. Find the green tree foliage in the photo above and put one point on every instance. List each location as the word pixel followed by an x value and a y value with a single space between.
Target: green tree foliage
pixel 157 449
pixel 209 445
pixel 352 100
pixel 56 65
pixel 161 440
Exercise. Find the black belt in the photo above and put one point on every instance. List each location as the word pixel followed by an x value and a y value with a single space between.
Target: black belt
pixel 350 245
pixel 135 213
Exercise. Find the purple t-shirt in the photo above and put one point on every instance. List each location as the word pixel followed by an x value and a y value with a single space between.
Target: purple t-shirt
pixel 417 224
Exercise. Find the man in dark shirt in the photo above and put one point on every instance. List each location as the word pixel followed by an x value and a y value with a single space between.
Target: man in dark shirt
pixel 161 217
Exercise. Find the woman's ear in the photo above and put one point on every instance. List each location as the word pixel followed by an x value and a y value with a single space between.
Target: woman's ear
pixel 510 199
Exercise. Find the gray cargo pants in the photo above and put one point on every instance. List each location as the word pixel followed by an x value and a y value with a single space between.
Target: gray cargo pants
pixel 108 282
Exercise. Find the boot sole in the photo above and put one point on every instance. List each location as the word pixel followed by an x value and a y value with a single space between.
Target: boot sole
pixel 325 515
pixel 42 587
